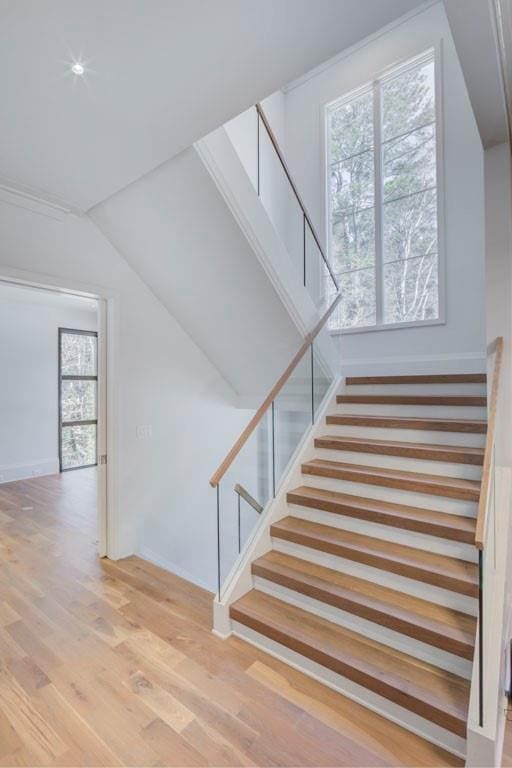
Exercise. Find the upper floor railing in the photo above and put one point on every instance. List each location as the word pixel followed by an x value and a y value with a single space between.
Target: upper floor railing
pixel 307 224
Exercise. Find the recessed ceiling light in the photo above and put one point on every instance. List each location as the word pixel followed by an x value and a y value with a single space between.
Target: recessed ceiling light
pixel 78 69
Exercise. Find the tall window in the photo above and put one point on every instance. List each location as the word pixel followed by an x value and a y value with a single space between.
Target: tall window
pixel 382 199
pixel 78 398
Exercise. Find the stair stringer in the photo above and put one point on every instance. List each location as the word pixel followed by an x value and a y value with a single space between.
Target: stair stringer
pixel 240 579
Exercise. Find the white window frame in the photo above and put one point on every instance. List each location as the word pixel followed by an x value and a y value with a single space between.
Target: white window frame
pixel 434 53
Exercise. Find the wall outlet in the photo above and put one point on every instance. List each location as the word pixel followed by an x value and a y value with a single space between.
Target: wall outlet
pixel 144 431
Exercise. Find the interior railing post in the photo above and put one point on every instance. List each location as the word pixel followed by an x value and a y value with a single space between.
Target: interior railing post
pixel 218 542
pixel 273 451
pixel 258 148
pixel 312 386
pixel 239 538
pixel 304 245
pixel 480 640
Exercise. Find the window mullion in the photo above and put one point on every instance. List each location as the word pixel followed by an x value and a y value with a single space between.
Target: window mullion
pixel 377 155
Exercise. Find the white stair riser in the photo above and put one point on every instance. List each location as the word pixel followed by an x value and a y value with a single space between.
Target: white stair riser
pixel 473 439
pixel 411 498
pixel 427 466
pixel 379 576
pixel 418 411
pixel 425 542
pixel 474 390
pixel 369 629
pixel 373 701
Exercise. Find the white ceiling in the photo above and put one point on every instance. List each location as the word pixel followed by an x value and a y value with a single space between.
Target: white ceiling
pixel 162 74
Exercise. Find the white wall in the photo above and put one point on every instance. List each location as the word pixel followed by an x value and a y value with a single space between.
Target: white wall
pixel 498 243
pixel 29 323
pixel 460 342
pixel 175 230
pixel 166 507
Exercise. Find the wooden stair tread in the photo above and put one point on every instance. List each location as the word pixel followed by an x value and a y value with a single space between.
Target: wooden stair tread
pixel 477 426
pixel 448 400
pixel 458 454
pixel 438 378
pixel 440 485
pixel 431 623
pixel 440 696
pixel 440 570
pixel 432 522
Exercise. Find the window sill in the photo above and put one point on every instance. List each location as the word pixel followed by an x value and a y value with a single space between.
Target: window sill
pixel 387 327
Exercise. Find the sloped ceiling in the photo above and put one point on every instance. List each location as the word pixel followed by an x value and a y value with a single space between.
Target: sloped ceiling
pixel 475 29
pixel 177 233
pixel 160 74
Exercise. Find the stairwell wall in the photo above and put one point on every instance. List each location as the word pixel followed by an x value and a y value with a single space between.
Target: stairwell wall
pixel 166 510
pixel 459 343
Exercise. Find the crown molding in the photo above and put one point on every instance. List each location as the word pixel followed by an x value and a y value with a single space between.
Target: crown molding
pixel 32 200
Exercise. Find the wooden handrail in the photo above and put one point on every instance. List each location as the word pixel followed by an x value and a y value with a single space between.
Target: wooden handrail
pixel 235 450
pixel 275 144
pixel 489 444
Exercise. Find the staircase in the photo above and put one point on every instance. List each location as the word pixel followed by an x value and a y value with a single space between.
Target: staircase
pixel 371 584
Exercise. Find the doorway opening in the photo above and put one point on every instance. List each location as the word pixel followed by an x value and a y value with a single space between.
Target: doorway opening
pixel 53 406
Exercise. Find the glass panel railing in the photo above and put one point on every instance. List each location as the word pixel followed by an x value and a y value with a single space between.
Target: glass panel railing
pixel 259 151
pixel 319 281
pixel 293 414
pixel 286 210
pixel 322 380
pixel 280 202
pixel 250 477
pixel 255 468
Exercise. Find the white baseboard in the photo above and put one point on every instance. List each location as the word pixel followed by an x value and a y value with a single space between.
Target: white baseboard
pixel 413 364
pixel 11 472
pixel 168 565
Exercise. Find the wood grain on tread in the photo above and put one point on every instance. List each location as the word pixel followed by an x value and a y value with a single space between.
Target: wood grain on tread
pixel 448 400
pixel 456 454
pixel 477 426
pixel 438 378
pixel 436 695
pixel 430 623
pixel 436 485
pixel 442 571
pixel 427 521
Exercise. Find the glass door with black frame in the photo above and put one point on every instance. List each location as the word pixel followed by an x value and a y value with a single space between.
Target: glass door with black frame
pixel 78 398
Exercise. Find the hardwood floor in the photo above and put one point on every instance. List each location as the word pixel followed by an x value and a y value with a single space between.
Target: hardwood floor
pixel 113 663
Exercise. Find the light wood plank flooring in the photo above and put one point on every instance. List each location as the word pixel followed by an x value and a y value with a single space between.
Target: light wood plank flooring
pixel 106 664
